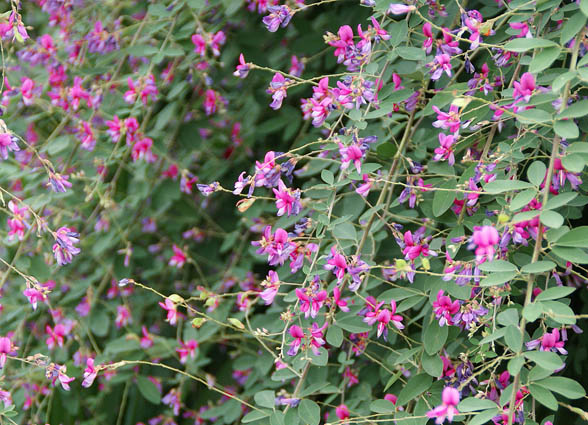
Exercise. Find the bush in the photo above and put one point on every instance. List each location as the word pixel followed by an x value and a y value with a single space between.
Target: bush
pixel 278 213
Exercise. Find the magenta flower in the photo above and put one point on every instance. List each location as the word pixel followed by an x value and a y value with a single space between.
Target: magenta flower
pixel 277 89
pixel 383 316
pixel 172 313
pixel 8 144
pixel 310 301
pixel 199 44
pixel 523 29
pixel 57 372
pixel 317 337
pixel 445 151
pixel 64 248
pixel 186 349
pixel 342 412
pixel 524 88
pixel 146 339
pixel 442 63
pixel 296 333
pixel 90 373
pixel 34 296
pixel 351 154
pixel 56 335
pixel 296 66
pixel 427 31
pixel 27 90
pixel 123 316
pixel 287 200
pixel 399 9
pixel 142 150
pixel 339 302
pixel 17 224
pixel 448 409
pixel 448 120
pixel 445 309
pixel 178 258
pixel 277 246
pixel 242 69
pixel 337 263
pixel 272 285
pixel 549 341
pixel 6 347
pixel 484 240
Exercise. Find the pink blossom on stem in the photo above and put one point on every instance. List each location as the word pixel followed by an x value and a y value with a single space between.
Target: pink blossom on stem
pixel 448 409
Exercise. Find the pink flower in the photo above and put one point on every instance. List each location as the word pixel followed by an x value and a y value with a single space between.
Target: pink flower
pixel 186 349
pixel 17 224
pixel 57 372
pixel 448 408
pixel 142 150
pixel 349 154
pixel 427 31
pixel 296 333
pixel 287 200
pixel 123 316
pixel 34 296
pixel 337 263
pixel 342 412
pixel 7 144
pixel 484 240
pixel 6 347
pixel 90 373
pixel 444 308
pixel 341 303
pixel 445 151
pixel 448 120
pixel 172 313
pixel 399 9
pixel 56 335
pixel 178 258
pixel 317 338
pixel 272 285
pixel 146 339
pixel 550 341
pixel 64 249
pixel 242 69
pixel 311 302
pixel 277 89
pixel 199 44
pixel 524 89
pixel 27 90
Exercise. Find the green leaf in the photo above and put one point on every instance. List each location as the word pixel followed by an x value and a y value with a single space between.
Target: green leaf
pixel 498 266
pixel 351 323
pixel 99 322
pixel 513 338
pixel 495 279
pixel 417 385
pixel 334 336
pixel 443 199
pixel 524 44
pixel 572 27
pixel 554 293
pixel 573 162
pixel 575 110
pixel 538 267
pixel 196 4
pixel 499 333
pixel 564 386
pixel 544 59
pixel 309 412
pixel 278 418
pixel 575 255
pixel 543 396
pixel 522 199
pixel 345 230
pixel 533 116
pixel 472 404
pixel 265 398
pixel 566 129
pixel 551 219
pixel 508 317
pixel 576 238
pixel 148 389
pixel 560 200
pixel 433 365
pixel 532 311
pixel 410 53
pixel 484 417
pixel 327 177
pixel 584 7
pixel 382 406
pixel 546 359
pixel 255 416
pixel 435 337
pixel 536 172
pixel 515 364
pixel 562 80
pixel 501 186
pixel 559 312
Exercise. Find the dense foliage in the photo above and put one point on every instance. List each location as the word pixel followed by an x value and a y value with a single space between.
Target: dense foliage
pixel 289 212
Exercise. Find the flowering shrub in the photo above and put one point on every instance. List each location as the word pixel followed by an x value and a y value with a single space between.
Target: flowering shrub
pixel 284 212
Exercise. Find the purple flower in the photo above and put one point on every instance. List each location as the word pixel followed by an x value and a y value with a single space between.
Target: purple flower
pixel 279 16
pixel 64 248
pixel 7 144
pixel 277 89
pixel 399 9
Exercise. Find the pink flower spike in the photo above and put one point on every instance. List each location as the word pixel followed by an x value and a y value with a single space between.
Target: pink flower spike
pixel 399 9
pixel 448 409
